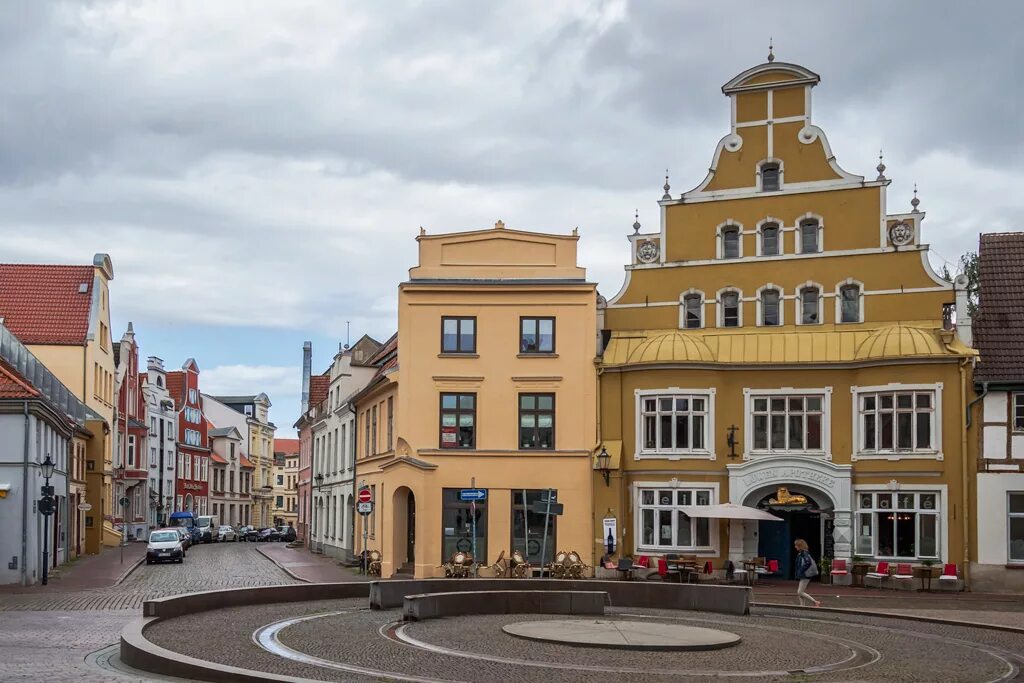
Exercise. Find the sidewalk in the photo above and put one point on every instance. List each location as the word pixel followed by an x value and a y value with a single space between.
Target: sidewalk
pixel 89 571
pixel 305 566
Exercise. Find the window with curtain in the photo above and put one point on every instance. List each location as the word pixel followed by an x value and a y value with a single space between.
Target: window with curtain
pixel 458 421
pixel 537 421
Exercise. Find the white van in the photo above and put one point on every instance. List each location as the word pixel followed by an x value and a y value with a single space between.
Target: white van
pixel 208 526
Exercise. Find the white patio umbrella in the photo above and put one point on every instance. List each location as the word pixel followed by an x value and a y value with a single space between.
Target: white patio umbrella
pixel 728 511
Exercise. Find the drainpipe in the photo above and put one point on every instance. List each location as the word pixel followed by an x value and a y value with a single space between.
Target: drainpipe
pixel 963 469
pixel 24 505
pixel 982 395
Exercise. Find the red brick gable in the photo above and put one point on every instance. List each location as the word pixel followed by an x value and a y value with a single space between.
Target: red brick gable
pixel 42 304
pixel 176 387
pixel 319 385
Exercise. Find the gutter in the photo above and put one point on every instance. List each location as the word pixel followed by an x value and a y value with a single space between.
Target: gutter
pixel 964 481
pixel 983 394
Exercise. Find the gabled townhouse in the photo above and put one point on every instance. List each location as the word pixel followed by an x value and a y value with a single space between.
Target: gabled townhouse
pixel 230 498
pixel 258 432
pixel 998 330
pixel 286 474
pixel 192 487
pixel 62 314
pixel 334 448
pixel 131 437
pixel 40 419
pixel 161 441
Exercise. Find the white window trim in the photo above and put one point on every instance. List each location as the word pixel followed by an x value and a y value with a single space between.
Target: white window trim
pixel 895 487
pixel 720 241
pixel 706 453
pixel 748 422
pixel 799 308
pixel 778 223
pixel 782 304
pixel 682 309
pixel 719 310
pixel 782 173
pixel 1014 398
pixel 1010 516
pixel 799 246
pixel 713 530
pixel 934 454
pixel 839 301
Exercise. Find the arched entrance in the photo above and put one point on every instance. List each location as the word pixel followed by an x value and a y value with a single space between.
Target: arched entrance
pixel 403 542
pixel 802 517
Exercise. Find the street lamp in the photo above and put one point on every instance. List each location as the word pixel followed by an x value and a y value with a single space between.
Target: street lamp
pixel 604 462
pixel 319 481
pixel 46 509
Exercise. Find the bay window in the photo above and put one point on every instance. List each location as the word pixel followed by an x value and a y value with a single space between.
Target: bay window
pixel 899 421
pixel 898 524
pixel 663 524
pixel 674 423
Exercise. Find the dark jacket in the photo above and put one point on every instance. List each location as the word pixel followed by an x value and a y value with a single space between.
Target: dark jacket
pixel 803 563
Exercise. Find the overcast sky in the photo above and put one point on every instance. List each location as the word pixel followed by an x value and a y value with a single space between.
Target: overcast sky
pixel 258 170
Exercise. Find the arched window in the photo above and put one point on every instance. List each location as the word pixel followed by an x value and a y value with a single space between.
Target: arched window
pixel 810 305
pixel 770 177
pixel 159 381
pixel 809 242
pixel 770 240
pixel 693 311
pixel 771 307
pixel 849 304
pixel 729 309
pixel 731 242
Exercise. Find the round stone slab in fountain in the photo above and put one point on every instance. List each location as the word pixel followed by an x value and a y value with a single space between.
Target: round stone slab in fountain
pixel 623 635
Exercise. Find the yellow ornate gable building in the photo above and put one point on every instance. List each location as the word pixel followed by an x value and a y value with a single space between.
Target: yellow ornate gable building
pixel 780 343
pixel 490 386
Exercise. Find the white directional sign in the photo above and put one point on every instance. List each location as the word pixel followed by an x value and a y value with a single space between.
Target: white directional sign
pixel 364 508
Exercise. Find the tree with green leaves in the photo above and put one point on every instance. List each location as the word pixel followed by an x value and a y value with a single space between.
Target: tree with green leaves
pixel 967 266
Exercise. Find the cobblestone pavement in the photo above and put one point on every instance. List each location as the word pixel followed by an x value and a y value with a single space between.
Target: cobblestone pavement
pixel 48 636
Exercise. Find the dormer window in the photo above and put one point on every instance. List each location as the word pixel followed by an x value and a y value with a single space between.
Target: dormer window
pixel 809 242
pixel 770 240
pixel 770 178
pixel 731 242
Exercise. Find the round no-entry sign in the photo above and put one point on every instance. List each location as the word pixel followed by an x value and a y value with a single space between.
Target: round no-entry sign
pixel 365 496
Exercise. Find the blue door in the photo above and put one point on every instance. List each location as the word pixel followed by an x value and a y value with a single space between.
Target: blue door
pixel 774 543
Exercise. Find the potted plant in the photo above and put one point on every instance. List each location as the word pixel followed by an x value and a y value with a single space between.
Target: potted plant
pixel 926 572
pixel 825 570
pixel 858 570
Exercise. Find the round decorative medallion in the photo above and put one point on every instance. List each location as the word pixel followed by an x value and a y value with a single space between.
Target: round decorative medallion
pixel 647 252
pixel 901 234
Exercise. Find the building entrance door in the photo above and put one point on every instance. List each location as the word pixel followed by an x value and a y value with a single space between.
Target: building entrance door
pixel 800 519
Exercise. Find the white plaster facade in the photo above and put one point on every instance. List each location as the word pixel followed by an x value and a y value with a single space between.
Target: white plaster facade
pixel 161 450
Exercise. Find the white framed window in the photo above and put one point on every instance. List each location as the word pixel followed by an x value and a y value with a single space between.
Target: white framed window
pixel 770 312
pixel 1018 412
pixel 188 467
pixel 808 304
pixel 675 423
pixel 691 310
pixel 662 524
pixel 850 301
pixel 130 456
pixel 769 237
pixel 1015 526
pixel 729 307
pixel 788 421
pixel 898 524
pixel 898 421
pixel 769 175
pixel 192 395
pixel 809 234
pixel 730 240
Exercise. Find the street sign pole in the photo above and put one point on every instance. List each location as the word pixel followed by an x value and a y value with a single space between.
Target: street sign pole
pixel 472 508
pixel 544 545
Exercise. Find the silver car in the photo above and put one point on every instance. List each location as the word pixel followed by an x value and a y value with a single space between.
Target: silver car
pixel 226 533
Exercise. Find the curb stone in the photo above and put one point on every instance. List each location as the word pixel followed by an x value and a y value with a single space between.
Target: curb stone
pixel 283 568
pixel 125 573
pixel 894 615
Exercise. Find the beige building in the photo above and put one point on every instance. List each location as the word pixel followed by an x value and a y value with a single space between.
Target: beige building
pixel 489 385
pixel 285 510
pixel 258 431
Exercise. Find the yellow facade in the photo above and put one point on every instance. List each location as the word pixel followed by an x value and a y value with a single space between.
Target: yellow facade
pixel 782 331
pixel 416 454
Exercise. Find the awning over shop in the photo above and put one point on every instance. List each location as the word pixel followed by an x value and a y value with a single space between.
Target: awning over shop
pixel 728 511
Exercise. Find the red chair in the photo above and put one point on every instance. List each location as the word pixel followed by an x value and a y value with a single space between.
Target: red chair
pixel 950 578
pixel 662 567
pixel 839 568
pixel 903 571
pixel 773 567
pixel 880 574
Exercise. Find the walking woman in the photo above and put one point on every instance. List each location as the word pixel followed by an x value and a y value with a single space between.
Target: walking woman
pixel 806 570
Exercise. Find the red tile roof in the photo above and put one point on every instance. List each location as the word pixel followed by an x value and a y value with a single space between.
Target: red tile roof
pixel 999 325
pixel 319 385
pixel 13 384
pixel 176 387
pixel 217 459
pixel 287 446
pixel 246 462
pixel 41 304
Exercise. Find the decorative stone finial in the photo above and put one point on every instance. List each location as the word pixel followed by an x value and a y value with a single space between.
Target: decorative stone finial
pixel 881 167
pixel 771 51
pixel 666 187
pixel 636 222
pixel 915 201
pixel 423 231
pixel 500 225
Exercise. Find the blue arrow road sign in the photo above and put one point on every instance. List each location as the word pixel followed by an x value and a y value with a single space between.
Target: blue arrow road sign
pixel 473 494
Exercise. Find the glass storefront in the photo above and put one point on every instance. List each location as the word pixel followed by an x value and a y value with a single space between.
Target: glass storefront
pixel 528 524
pixel 457 526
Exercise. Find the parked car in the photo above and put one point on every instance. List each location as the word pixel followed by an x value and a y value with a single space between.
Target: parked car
pixel 186 536
pixel 287 533
pixel 208 526
pixel 269 534
pixel 248 533
pixel 226 533
pixel 165 545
